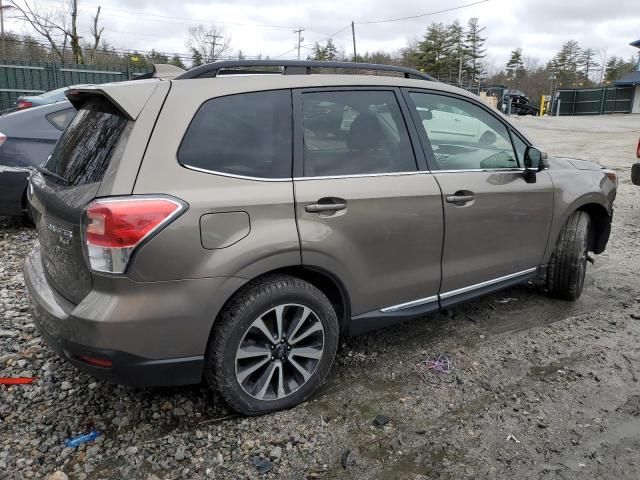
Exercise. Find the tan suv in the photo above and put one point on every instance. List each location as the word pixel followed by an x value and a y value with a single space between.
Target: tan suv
pixel 232 227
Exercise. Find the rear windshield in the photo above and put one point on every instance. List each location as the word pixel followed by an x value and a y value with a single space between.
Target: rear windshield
pixel 84 150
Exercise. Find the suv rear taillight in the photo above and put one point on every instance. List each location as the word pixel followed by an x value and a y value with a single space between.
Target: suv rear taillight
pixel 114 227
pixel 3 138
pixel 22 104
pixel 638 150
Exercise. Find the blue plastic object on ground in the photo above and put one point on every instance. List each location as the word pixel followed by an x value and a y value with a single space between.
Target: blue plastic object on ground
pixel 80 439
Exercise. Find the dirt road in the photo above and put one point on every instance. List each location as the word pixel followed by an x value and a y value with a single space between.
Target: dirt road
pixel 541 388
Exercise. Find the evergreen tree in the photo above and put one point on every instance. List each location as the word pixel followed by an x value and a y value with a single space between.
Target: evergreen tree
pixel 175 60
pixel 434 51
pixel 196 58
pixel 156 57
pixel 587 64
pixel 474 42
pixel 565 63
pixel 617 67
pixel 325 53
pixel 459 53
pixel 515 67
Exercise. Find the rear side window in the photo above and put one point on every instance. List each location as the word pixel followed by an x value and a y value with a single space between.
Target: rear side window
pixel 354 133
pixel 62 119
pixel 247 134
pixel 84 150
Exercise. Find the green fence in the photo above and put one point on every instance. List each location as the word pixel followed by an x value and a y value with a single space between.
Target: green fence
pixel 594 101
pixel 33 78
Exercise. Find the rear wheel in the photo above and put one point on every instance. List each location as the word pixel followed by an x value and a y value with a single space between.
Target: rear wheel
pixel 568 263
pixel 272 346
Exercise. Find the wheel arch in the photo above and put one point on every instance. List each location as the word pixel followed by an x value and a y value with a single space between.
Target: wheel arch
pixel 600 225
pixel 322 279
pixel 600 217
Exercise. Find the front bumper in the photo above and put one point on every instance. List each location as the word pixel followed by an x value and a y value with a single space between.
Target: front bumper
pixel 145 330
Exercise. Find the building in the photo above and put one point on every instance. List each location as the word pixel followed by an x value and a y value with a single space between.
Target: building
pixel 633 80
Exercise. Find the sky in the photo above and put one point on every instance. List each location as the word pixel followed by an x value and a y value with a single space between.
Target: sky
pixel 266 27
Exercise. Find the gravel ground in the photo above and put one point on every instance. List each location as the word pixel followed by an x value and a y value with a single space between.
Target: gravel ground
pixel 540 389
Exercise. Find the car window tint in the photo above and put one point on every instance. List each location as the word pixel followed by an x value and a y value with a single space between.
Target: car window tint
pixel 520 146
pixel 84 150
pixel 61 119
pixel 247 134
pixel 354 133
pixel 464 136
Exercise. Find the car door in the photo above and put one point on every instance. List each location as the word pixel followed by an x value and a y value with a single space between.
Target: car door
pixel 366 213
pixel 496 222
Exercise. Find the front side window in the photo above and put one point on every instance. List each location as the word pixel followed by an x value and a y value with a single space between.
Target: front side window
pixel 464 136
pixel 247 134
pixel 521 147
pixel 354 133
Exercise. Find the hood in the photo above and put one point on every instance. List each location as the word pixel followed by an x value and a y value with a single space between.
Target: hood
pixel 567 162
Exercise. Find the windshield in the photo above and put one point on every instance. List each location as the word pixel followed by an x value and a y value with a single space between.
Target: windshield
pixel 84 150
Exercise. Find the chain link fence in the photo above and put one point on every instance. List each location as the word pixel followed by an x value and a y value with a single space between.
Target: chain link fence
pixel 33 78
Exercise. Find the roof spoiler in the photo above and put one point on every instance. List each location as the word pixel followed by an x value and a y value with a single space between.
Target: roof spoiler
pixel 128 97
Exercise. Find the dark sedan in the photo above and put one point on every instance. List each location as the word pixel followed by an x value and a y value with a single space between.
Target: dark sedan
pixel 26 139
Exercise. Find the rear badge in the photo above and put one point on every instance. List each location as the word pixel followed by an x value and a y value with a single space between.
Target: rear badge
pixel 64 236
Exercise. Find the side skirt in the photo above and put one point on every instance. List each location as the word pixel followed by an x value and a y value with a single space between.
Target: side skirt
pixel 395 314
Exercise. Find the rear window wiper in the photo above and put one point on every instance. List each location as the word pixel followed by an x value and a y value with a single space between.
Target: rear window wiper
pixel 44 171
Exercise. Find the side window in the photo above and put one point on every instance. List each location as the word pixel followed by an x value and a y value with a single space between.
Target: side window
pixel 354 133
pixel 61 119
pixel 247 134
pixel 462 135
pixel 520 147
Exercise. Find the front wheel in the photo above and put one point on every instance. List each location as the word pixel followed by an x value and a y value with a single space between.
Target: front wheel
pixel 568 263
pixel 272 346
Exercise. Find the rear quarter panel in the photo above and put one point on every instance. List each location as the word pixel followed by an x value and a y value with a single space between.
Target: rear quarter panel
pixel 177 252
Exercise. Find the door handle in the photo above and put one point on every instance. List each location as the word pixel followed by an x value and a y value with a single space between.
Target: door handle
pixel 325 207
pixel 460 198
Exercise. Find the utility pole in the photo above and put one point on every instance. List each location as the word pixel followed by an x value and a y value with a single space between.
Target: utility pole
pixel 353 35
pixel 4 50
pixel 213 45
pixel 300 38
pixel 460 73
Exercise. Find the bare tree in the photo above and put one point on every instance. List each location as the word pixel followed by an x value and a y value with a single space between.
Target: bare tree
pixel 57 25
pixel 44 21
pixel 603 61
pixel 73 33
pixel 208 42
pixel 96 34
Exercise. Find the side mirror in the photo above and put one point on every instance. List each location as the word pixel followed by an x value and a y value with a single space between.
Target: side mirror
pixel 535 160
pixel 425 114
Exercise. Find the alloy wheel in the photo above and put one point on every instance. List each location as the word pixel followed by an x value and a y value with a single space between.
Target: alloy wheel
pixel 279 352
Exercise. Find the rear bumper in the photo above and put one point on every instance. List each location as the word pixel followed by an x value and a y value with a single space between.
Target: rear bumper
pixel 13 184
pixel 635 173
pixel 154 334
pixel 127 369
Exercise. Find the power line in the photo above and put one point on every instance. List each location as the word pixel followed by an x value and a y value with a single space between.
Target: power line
pixel 412 17
pixel 190 19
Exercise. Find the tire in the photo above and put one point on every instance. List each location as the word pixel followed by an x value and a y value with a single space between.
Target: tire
pixel 238 331
pixel 568 263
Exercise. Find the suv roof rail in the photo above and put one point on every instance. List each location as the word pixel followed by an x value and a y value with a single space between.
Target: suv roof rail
pixel 292 67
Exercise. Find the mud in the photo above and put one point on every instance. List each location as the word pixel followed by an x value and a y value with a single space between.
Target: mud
pixel 542 388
